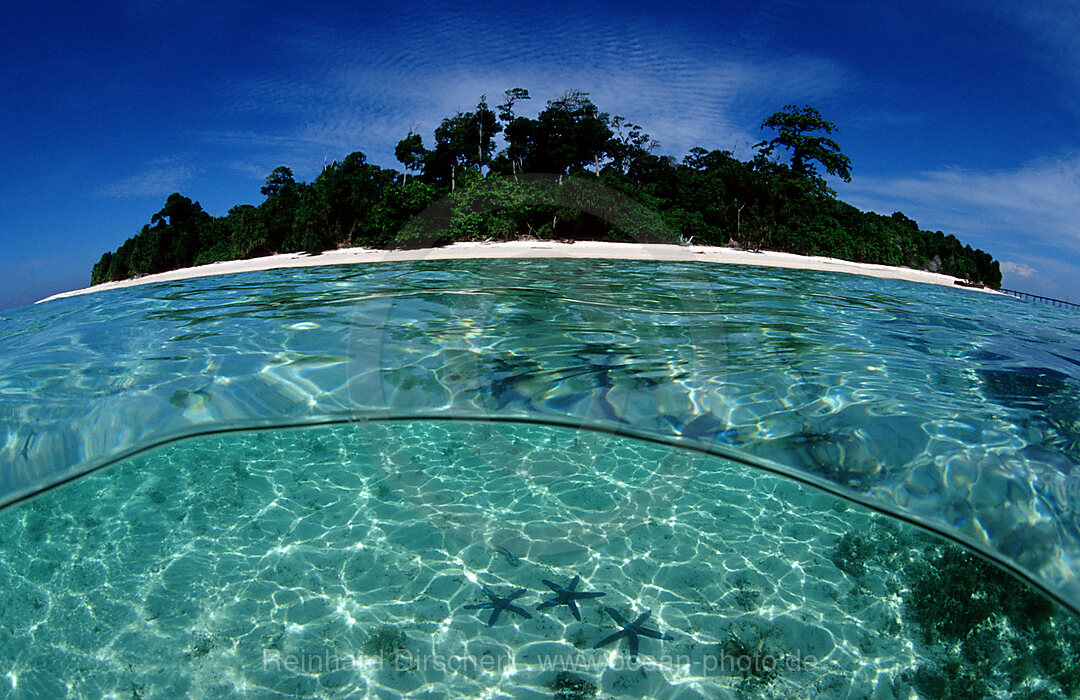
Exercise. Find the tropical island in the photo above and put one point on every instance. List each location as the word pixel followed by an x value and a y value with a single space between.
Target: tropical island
pixel 601 172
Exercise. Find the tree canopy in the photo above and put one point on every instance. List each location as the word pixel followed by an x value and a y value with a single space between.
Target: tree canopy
pixel 800 130
pixel 481 158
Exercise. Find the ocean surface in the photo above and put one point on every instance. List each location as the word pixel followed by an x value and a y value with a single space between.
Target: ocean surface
pixel 304 482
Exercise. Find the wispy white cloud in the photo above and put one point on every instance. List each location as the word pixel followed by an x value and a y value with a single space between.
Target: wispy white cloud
pixel 684 90
pixel 1039 273
pixel 1019 269
pixel 1028 216
pixel 1055 27
pixel 160 178
pixel 1041 199
pixel 252 170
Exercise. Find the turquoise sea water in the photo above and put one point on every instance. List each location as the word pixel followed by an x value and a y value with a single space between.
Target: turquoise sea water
pixel 706 443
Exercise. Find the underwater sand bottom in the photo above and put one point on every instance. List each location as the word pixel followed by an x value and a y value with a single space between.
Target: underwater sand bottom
pixel 336 562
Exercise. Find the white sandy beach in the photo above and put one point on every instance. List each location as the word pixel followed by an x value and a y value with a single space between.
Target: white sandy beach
pixel 537 249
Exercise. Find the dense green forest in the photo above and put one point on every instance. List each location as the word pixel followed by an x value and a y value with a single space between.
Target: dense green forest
pixel 604 180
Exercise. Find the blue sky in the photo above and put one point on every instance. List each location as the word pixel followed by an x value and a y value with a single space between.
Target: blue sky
pixel 963 115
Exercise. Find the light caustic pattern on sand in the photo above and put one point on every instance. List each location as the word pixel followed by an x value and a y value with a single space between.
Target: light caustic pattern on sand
pixel 339 561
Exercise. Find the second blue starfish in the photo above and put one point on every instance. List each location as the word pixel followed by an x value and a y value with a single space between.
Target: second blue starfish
pixel 567 596
pixel 631 630
pixel 498 604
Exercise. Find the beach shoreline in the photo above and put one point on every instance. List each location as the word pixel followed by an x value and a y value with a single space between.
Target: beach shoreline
pixel 525 249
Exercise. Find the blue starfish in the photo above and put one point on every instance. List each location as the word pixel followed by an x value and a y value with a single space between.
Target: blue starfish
pixel 498 604
pixel 566 596
pixel 631 630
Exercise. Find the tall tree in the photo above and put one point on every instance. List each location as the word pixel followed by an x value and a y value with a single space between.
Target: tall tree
pixel 177 211
pixel 518 131
pixel 506 109
pixel 277 213
pixel 800 130
pixel 629 143
pixel 281 178
pixel 465 140
pixel 410 152
pixel 487 126
pixel 344 203
pixel 571 134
